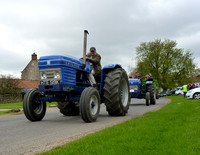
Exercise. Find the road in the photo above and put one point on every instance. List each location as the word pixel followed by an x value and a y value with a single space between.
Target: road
pixel 20 136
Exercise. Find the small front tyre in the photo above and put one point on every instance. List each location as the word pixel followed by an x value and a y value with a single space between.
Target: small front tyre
pixel 34 109
pixel 89 104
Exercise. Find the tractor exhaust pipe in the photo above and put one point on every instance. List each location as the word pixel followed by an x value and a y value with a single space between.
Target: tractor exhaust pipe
pixel 84 48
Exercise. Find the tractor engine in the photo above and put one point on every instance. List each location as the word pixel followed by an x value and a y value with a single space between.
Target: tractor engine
pixel 62 73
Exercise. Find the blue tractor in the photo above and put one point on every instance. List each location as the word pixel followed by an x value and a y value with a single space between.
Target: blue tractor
pixel 64 79
pixel 143 89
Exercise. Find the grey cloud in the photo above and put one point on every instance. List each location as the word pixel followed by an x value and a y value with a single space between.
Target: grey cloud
pixel 116 27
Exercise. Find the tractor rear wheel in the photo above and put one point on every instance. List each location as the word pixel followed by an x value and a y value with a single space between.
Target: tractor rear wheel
pixel 90 104
pixel 147 98
pixel 68 108
pixel 152 94
pixel 116 92
pixel 34 109
pixel 157 96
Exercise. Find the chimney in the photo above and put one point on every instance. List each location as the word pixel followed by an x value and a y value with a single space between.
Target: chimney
pixel 34 56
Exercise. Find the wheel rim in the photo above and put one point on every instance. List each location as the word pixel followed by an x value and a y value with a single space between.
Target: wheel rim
pixel 197 96
pixel 93 105
pixel 37 106
pixel 124 93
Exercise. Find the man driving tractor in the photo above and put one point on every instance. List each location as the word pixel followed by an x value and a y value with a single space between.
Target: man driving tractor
pixel 95 60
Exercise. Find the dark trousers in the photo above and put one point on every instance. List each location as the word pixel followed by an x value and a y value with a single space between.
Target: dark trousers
pixel 184 93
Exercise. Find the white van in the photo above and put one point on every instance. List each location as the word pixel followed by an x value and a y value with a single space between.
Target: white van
pixel 179 91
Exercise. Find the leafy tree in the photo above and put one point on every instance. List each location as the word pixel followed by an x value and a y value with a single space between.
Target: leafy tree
pixel 169 65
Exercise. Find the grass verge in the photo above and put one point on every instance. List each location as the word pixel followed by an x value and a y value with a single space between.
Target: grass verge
pixel 5 112
pixel 17 105
pixel 173 130
pixel 11 105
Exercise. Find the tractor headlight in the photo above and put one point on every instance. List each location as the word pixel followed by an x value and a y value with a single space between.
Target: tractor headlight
pixel 57 75
pixel 43 76
pixel 134 87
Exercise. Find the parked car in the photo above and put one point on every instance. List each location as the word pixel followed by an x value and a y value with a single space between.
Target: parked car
pixel 179 91
pixel 173 91
pixel 193 93
pixel 165 93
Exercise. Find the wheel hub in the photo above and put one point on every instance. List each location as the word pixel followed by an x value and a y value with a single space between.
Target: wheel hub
pixel 37 106
pixel 124 92
pixel 93 105
pixel 197 96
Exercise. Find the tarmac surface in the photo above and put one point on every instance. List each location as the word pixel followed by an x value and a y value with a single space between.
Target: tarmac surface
pixel 20 136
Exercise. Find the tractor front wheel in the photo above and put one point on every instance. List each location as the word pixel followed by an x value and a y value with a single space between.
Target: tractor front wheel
pixel 90 104
pixel 34 109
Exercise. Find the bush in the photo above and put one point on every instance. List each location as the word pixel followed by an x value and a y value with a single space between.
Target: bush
pixel 9 91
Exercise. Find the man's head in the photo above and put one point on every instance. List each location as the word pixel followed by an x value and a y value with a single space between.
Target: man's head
pixel 92 51
pixel 137 73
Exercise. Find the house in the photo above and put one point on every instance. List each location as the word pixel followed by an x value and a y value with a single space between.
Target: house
pixel 196 78
pixel 28 84
pixel 31 71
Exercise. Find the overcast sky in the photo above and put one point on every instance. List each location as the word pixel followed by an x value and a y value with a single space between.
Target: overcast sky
pixel 116 28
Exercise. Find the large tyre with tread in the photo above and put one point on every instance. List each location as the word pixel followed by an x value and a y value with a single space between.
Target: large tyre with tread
pixel 152 91
pixel 90 104
pixel 147 98
pixel 68 108
pixel 157 94
pixel 116 92
pixel 34 109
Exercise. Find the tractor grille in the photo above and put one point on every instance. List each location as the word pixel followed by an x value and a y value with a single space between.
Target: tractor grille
pixel 50 76
pixel 64 75
pixel 69 76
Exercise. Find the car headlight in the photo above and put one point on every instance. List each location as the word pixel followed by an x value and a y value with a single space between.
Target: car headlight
pixel 57 75
pixel 43 76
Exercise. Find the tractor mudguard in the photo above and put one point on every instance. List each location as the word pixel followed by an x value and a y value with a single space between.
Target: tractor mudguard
pixel 112 66
pixel 104 71
pixel 149 82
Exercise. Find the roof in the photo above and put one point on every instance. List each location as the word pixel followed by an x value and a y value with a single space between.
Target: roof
pixel 28 84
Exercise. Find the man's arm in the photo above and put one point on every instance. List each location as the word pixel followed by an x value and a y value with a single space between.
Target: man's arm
pixel 95 60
